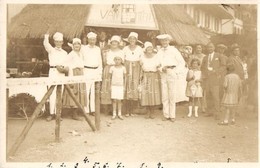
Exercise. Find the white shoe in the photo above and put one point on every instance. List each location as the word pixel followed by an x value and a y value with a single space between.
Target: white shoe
pixel 113 117
pixel 189 115
pixel 120 117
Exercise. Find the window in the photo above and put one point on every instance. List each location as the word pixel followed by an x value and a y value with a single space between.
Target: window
pixel 197 16
pixel 128 13
pixel 216 25
pixel 207 21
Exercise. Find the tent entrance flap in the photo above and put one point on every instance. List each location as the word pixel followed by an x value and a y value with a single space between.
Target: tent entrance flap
pixel 122 15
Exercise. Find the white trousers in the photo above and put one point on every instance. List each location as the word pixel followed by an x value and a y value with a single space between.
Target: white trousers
pixel 54 73
pixel 90 89
pixel 169 89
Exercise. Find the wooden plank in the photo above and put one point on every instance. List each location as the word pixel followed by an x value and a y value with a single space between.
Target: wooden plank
pixel 58 112
pixel 29 124
pixel 80 106
pixel 12 82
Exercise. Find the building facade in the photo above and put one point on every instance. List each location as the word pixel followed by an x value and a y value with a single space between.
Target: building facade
pixel 210 18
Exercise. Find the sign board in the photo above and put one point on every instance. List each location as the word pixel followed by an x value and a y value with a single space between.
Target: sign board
pixel 134 16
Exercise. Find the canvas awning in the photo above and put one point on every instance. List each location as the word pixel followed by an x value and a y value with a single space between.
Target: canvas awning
pixel 35 20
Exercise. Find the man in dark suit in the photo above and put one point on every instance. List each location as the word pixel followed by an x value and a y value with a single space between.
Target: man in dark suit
pixel 103 44
pixel 213 66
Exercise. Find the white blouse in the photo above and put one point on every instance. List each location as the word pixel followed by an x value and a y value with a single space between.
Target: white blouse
pixel 150 64
pixel 110 55
pixel 134 55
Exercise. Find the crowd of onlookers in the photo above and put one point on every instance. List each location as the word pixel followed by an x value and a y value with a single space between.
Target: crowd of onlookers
pixel 128 72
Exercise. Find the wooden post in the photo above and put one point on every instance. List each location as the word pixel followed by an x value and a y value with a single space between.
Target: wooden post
pixel 58 112
pixel 97 104
pixel 80 106
pixel 29 124
pixel 7 111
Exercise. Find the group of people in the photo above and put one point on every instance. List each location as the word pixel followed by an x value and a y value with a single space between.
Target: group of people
pixel 149 75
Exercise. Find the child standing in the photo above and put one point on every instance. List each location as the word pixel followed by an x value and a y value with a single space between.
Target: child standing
pixel 118 73
pixel 194 89
pixel 150 80
pixel 232 92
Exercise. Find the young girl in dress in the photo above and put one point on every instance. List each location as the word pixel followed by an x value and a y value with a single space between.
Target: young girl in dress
pixel 150 80
pixel 232 92
pixel 194 89
pixel 108 63
pixel 117 72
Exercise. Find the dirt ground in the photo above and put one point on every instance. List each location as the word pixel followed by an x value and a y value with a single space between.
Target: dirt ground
pixel 136 139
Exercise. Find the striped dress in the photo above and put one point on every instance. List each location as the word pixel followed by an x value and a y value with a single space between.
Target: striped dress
pixel 150 84
pixel 132 64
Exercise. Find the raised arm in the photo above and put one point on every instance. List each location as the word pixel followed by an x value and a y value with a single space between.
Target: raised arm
pixel 47 44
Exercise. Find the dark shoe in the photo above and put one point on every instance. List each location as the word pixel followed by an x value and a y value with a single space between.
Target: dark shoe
pixel 172 119
pixel 76 117
pixel 50 117
pixel 152 116
pixel 217 117
pixel 93 114
pixel 208 115
pixel 223 123
pixel 56 116
pixel 148 115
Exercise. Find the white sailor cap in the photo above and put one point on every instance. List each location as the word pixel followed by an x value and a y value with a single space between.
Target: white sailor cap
pixel 58 36
pixel 92 35
pixel 164 36
pixel 76 40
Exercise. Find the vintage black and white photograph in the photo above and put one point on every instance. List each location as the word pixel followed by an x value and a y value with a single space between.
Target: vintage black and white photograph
pixel 105 84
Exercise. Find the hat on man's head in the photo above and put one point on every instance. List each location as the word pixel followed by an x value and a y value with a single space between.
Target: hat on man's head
pixel 92 35
pixel 222 46
pixel 116 38
pixel 164 36
pixel 234 46
pixel 58 36
pixel 76 40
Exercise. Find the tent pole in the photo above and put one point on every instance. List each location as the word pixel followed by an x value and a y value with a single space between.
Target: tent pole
pixel 58 113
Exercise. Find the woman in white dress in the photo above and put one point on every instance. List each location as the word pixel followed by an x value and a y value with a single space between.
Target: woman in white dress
pixel 76 67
